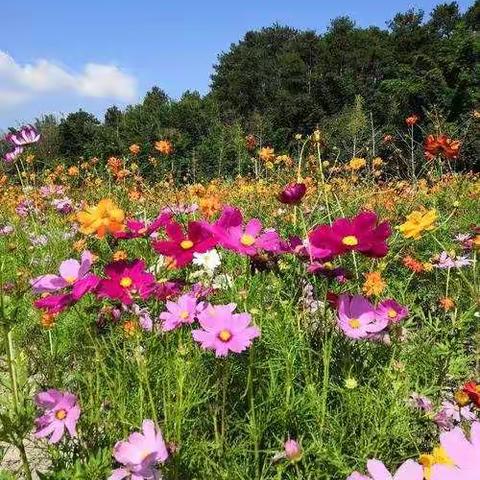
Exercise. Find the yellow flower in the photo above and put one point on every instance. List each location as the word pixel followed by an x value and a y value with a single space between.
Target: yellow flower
pixel 351 383
pixel 101 219
pixel 377 162
pixel 428 460
pixel 357 163
pixel 374 284
pixel 418 222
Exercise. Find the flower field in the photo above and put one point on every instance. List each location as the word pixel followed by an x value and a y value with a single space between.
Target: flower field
pixel 314 320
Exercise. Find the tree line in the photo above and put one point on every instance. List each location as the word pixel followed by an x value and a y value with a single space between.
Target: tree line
pixel 279 81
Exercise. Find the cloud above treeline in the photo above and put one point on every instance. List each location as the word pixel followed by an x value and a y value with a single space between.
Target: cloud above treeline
pixel 20 84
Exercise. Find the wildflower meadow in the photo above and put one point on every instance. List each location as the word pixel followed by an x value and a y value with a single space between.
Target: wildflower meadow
pixel 305 311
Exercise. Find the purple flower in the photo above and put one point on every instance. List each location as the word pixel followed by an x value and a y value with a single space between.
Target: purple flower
pixel 51 190
pixel 140 454
pixel 72 273
pixel 178 209
pixel 446 261
pixel 421 402
pixel 38 240
pixel 25 207
pixel 63 205
pixel 391 311
pixel 223 331
pixel 357 317
pixel 61 411
pixel 12 155
pixel 25 136
pixel 451 414
pixel 293 193
pixel 293 450
pixel 184 310
pixel 6 230
pixel 144 318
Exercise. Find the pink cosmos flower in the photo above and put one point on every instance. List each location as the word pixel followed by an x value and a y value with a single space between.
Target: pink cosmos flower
pixel 392 311
pixel 410 470
pixel 11 156
pixel 72 274
pixel 464 453
pixel 248 239
pixel 451 414
pixel 126 280
pixel 61 411
pixel 55 303
pixel 225 331
pixel 140 454
pixel 181 246
pixel 168 289
pixel 25 136
pixel 362 233
pixel 139 228
pixel 184 310
pixel 357 318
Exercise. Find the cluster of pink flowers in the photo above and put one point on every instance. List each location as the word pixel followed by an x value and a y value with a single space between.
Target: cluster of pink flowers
pixel 359 319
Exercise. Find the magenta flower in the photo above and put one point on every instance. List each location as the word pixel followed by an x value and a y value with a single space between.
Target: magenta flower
pixel 410 470
pixel 139 228
pixel 391 311
pixel 140 454
pixel 463 452
pixel 293 193
pixel 248 239
pixel 61 411
pixel 55 303
pixel 181 246
pixel 25 136
pixel 357 318
pixel 184 310
pixel 328 270
pixel 168 289
pixel 12 155
pixel 63 205
pixel 362 233
pixel 72 274
pixel 225 331
pixel 126 281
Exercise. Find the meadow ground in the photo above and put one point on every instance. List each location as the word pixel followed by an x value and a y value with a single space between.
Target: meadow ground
pixel 350 340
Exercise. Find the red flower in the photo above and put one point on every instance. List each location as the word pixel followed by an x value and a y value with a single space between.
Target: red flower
pixel 180 246
pixel 362 233
pixel 441 145
pixel 472 389
pixel 293 193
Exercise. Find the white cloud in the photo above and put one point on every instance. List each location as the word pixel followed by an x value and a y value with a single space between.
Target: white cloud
pixel 21 83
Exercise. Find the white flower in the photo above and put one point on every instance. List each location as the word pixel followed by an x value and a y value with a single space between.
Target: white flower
pixel 209 261
pixel 222 282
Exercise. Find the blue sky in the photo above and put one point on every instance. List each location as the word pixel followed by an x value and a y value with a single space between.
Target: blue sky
pixel 58 56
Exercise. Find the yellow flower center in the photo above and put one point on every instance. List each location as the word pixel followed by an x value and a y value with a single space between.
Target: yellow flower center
pixel 224 335
pixel 392 313
pixel 438 457
pixel 350 240
pixel 186 244
pixel 126 282
pixel 70 279
pixel 247 240
pixel 61 414
pixel 328 266
pixel 183 314
pixel 354 323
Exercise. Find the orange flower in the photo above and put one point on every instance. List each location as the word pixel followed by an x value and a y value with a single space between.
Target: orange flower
pixel 73 171
pixel 80 245
pixel 374 284
pixel 209 206
pixel 266 154
pixel 129 327
pixel 387 138
pixel 413 265
pixel 412 120
pixel 48 320
pixel 101 219
pixel 120 255
pixel 114 165
pixel 134 149
pixel 446 303
pixel 165 147
pixel 441 145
